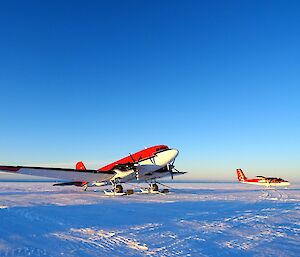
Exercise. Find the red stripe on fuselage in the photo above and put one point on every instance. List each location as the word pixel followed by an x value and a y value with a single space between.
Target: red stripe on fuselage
pixel 253 180
pixel 141 155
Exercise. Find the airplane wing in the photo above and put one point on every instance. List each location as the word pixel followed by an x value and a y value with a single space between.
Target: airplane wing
pixel 162 173
pixel 60 173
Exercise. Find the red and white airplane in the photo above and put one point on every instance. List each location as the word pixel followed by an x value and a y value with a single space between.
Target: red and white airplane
pixel 261 180
pixel 147 165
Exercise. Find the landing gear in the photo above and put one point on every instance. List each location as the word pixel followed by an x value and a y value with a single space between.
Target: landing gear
pixel 118 189
pixel 154 187
pixel 85 187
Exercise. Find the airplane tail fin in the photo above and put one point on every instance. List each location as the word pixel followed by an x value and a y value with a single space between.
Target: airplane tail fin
pixel 80 166
pixel 240 175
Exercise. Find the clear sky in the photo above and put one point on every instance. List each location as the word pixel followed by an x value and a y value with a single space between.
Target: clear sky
pixel 94 80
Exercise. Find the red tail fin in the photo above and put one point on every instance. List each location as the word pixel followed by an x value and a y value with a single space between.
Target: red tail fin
pixel 80 166
pixel 240 175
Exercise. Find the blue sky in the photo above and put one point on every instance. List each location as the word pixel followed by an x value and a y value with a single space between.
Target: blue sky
pixel 94 80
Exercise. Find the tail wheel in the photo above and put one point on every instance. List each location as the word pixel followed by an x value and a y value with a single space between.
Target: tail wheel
pixel 154 187
pixel 118 189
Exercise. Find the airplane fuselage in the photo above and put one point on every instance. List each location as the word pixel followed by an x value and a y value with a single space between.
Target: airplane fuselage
pixel 152 166
pixel 261 180
pixel 266 183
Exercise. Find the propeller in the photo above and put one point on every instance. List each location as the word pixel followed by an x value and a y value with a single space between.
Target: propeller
pixel 136 166
pixel 131 157
pixel 171 167
pixel 152 159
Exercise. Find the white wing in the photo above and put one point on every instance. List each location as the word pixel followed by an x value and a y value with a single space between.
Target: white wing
pixel 60 173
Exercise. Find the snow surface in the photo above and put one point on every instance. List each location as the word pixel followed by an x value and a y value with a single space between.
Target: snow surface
pixel 201 219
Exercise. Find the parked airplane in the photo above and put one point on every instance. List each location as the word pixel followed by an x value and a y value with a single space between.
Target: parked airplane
pixel 147 165
pixel 261 180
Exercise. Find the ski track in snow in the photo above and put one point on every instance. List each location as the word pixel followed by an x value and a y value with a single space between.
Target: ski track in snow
pixel 193 220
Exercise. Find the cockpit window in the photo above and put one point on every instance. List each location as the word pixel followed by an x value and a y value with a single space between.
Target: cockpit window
pixel 161 148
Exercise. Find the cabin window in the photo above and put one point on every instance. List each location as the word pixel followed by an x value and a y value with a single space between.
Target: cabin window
pixel 160 148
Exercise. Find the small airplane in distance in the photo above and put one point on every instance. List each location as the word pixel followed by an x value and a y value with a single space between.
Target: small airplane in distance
pixel 261 180
pixel 147 165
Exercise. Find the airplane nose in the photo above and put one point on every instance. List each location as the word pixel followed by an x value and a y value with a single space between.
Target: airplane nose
pixel 165 157
pixel 173 153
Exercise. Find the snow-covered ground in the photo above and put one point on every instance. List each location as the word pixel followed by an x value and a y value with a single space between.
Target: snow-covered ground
pixel 201 219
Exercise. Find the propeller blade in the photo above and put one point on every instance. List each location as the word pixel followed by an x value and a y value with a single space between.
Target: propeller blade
pixel 181 172
pixel 136 167
pixel 176 170
pixel 169 168
pixel 152 159
pixel 136 170
pixel 140 158
pixel 131 157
